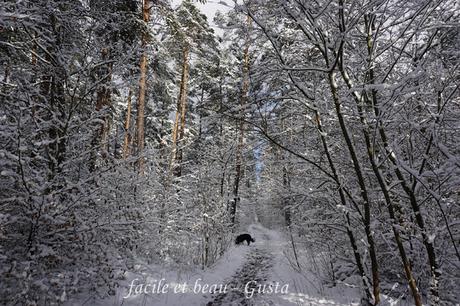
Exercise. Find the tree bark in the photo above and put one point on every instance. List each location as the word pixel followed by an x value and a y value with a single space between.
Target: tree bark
pixel 362 186
pixel 140 135
pixel 370 152
pixel 341 189
pixel 419 219
pixel 343 200
pixel 179 123
pixel 386 194
pixel 240 125
pixel 432 261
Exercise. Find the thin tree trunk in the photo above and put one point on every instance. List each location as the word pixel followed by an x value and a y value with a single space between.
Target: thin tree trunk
pixel 383 187
pixel 5 82
pixel 53 89
pixel 335 176
pixel 179 123
pixel 103 101
pixel 140 135
pixel 434 268
pixel 236 182
pixel 240 130
pixel 433 264
pixel 386 194
pixel 286 183
pixel 343 200
pixel 422 167
pixel 184 96
pixel 356 165
pixel 200 114
pixel 221 135
pixel 287 202
pixel 127 138
pixel 362 186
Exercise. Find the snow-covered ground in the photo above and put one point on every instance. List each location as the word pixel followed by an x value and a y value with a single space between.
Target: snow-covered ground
pixel 304 287
pixel 260 274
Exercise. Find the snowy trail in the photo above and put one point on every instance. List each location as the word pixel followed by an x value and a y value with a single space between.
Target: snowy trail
pixel 266 265
pixel 248 272
pixel 245 280
pixel 304 288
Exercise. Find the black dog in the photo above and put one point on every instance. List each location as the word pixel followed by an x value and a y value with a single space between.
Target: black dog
pixel 244 237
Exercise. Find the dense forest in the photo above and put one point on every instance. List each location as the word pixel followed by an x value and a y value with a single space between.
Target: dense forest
pixel 143 134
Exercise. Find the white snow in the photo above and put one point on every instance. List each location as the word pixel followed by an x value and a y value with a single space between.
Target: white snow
pixel 175 288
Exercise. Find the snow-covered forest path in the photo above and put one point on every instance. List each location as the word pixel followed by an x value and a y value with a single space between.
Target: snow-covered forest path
pixel 272 278
pixel 244 284
pixel 245 280
pixel 262 274
pixel 267 275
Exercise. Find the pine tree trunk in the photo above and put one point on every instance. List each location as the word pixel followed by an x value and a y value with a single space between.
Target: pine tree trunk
pixel 179 123
pixel 140 133
pixel 183 102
